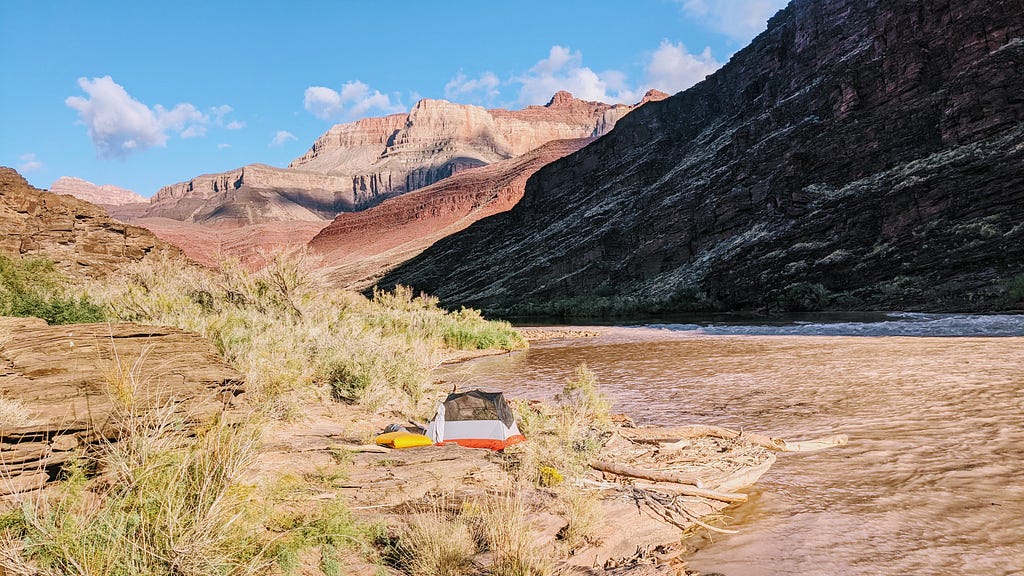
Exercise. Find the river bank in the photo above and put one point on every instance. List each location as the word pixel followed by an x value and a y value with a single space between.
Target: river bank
pixel 927 485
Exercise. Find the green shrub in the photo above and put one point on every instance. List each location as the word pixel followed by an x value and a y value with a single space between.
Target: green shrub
pixel 1015 289
pixel 468 330
pixel 804 297
pixel 34 288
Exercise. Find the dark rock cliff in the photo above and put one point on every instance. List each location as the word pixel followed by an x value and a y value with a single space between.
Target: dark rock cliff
pixel 858 154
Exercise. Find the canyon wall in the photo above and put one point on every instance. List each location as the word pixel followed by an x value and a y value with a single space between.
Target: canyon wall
pixel 860 154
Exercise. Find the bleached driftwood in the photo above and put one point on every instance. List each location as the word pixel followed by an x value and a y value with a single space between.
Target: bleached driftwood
pixel 683 483
pixel 671 436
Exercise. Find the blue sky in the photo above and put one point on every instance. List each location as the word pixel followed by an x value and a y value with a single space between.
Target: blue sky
pixel 145 94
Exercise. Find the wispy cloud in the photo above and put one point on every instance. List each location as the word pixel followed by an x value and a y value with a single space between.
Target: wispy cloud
pixel 220 114
pixel 670 68
pixel 484 88
pixel 563 69
pixel 741 20
pixel 119 125
pixel 29 163
pixel 282 137
pixel 223 146
pixel 354 100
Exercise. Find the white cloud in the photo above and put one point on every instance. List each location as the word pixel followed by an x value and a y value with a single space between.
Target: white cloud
pixel 355 100
pixel 282 137
pixel 673 69
pixel 223 146
pixel 670 68
pixel 563 70
pixel 486 85
pixel 29 163
pixel 193 131
pixel 219 112
pixel 739 19
pixel 322 102
pixel 119 124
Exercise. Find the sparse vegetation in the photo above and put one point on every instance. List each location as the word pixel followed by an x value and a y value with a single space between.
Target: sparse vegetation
pixel 171 503
pixel 564 435
pixel 35 288
pixel 286 329
pixel 444 538
pixel 1015 290
pixel 169 506
pixel 804 297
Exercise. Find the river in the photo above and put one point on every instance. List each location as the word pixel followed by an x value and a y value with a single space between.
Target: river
pixel 932 481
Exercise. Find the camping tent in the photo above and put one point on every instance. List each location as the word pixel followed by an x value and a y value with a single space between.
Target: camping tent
pixel 475 419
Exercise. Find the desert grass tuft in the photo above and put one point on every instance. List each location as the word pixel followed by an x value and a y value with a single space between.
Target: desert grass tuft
pixel 436 542
pixel 566 435
pixel 167 510
pixel 504 524
pixel 584 516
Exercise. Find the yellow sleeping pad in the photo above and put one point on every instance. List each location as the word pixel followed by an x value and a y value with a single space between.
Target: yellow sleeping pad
pixel 402 439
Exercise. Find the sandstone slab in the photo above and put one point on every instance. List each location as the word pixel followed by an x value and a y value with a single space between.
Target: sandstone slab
pixel 76 381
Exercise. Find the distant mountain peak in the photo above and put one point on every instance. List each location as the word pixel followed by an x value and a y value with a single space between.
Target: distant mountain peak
pixel 106 194
pixel 561 98
pixel 653 95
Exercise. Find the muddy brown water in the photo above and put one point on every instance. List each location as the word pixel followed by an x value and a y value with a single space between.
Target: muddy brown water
pixel 932 481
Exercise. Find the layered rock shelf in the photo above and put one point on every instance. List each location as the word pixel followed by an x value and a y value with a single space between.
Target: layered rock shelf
pixel 80 237
pixel 79 382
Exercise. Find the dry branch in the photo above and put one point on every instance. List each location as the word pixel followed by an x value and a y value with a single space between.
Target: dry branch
pixel 682 486
pixel 678 434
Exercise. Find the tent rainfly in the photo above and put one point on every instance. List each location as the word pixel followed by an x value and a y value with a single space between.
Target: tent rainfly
pixel 475 419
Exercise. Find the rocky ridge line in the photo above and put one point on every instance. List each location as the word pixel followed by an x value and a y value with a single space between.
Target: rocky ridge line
pixel 78 236
pixel 102 195
pixel 357 165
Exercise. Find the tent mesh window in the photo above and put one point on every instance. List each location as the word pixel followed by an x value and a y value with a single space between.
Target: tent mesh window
pixel 477 405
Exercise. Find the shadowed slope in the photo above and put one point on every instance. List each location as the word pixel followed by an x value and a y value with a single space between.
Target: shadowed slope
pixel 871 149
pixel 360 246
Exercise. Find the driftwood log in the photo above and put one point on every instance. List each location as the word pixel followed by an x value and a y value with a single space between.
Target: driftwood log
pixel 678 434
pixel 684 483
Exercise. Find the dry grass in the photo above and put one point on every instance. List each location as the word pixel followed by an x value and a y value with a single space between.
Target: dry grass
pixel 437 542
pixel 565 435
pixel 166 504
pixel 503 521
pixel 495 529
pixel 582 510
pixel 287 331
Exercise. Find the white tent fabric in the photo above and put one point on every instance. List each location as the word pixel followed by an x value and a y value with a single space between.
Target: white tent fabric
pixel 495 432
